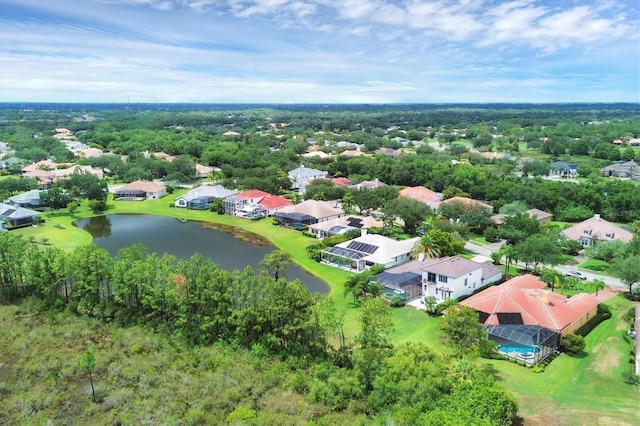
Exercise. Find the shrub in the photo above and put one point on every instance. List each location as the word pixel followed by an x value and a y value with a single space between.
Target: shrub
pixel 572 343
pixel 396 300
pixel 603 314
pixel 444 305
pixel 631 378
pixel 539 368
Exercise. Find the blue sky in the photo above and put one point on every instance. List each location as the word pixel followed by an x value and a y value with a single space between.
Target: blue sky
pixel 319 51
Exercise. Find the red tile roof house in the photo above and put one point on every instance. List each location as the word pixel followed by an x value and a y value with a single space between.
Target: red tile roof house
pixel 274 203
pixel 422 194
pixel 595 229
pixel 235 203
pixel 526 320
pixel 140 190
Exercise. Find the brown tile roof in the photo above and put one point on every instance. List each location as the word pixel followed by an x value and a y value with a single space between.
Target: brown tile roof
pixel 466 200
pixel 539 214
pixel 597 228
pixel 142 185
pixel 317 209
pixel 526 295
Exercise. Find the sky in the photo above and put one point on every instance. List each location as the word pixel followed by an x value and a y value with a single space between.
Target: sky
pixel 319 51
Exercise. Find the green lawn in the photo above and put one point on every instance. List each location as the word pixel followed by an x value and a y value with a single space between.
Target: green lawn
pixel 595 265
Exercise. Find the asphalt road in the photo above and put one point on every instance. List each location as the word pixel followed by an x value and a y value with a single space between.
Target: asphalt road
pixel 486 250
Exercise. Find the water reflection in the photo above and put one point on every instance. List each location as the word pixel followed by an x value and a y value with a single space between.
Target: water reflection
pixel 98 227
pixel 183 239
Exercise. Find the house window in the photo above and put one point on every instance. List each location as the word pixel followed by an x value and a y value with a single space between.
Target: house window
pixel 442 279
pixel 465 282
pixel 431 277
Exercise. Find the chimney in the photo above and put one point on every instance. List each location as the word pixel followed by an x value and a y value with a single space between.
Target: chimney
pixel 420 257
pixel 363 231
pixel 596 216
pixel 545 297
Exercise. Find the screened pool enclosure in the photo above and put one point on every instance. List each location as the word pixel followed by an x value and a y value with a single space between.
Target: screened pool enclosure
pixel 528 343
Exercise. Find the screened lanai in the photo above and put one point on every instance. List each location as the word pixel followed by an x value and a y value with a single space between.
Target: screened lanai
pixel 295 220
pixel 528 343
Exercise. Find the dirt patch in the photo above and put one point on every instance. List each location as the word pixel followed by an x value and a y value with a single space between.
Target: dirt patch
pixel 607 359
pixel 238 232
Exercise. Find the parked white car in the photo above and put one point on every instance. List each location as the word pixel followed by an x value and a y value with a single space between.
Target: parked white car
pixel 576 274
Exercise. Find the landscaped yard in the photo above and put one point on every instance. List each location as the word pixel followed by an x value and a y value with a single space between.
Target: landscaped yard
pixel 583 390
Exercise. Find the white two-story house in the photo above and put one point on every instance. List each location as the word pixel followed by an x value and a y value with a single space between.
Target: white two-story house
pixel 452 277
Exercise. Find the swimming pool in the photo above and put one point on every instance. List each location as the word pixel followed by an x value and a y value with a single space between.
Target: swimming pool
pixel 389 292
pixel 517 349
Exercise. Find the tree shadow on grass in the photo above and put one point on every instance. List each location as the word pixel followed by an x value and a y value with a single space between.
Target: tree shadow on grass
pixel 491 370
pixel 581 354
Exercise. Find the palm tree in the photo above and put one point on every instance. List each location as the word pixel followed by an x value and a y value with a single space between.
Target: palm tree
pixel 598 285
pixel 426 246
pixel 509 253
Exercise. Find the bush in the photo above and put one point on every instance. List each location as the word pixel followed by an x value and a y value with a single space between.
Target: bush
pixel 572 343
pixel 603 314
pixel 444 305
pixel 396 300
pixel 631 378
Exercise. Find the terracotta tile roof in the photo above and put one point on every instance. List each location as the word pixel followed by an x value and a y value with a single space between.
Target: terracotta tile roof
pixel 341 181
pixel 421 194
pixel 526 295
pixel 274 201
pixel 253 193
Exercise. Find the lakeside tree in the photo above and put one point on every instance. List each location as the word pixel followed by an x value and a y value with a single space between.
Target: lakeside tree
pixel 276 262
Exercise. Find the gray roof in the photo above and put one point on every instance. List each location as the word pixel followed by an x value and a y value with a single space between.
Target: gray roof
pixel 29 197
pixel 217 191
pixel 306 172
pixel 454 266
pixel 13 212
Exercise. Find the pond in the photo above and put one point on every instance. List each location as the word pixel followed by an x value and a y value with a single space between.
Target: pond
pixel 183 239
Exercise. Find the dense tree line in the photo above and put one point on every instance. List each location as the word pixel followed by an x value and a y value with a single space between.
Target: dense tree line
pixel 264 149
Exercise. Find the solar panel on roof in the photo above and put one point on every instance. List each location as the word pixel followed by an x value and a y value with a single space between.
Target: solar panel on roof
pixel 355 222
pixel 363 247
pixel 342 252
pixel 509 318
